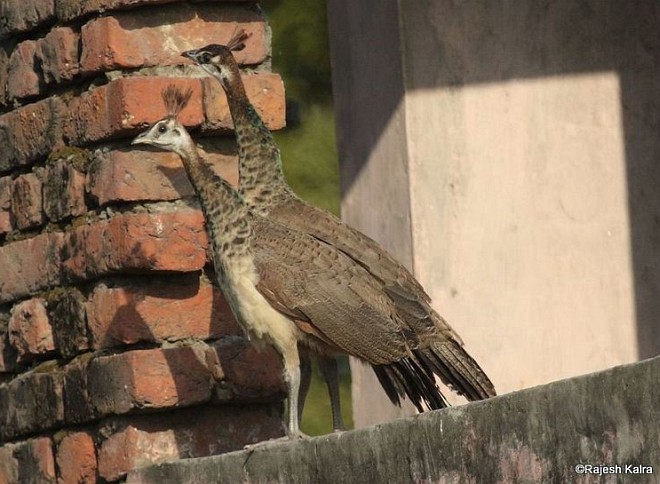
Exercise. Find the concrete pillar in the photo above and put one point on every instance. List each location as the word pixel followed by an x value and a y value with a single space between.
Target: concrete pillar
pixel 515 159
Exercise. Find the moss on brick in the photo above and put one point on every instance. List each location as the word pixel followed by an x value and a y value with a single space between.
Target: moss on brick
pixel 79 158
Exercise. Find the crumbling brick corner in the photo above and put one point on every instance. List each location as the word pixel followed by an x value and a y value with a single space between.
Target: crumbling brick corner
pixel 116 351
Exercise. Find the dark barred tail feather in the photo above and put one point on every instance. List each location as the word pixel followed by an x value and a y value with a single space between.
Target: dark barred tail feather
pixel 414 376
pixel 459 370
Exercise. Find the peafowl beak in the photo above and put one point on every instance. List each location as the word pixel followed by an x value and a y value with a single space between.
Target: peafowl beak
pixel 142 138
pixel 190 54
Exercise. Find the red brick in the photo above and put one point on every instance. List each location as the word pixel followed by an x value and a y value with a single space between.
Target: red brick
pixel 88 118
pixel 124 106
pixel 248 374
pixel 30 132
pixel 265 91
pixel 77 403
pixel 7 354
pixel 8 465
pixel 156 37
pixel 127 176
pixel 195 432
pixel 72 9
pixel 165 241
pixel 58 55
pixel 23 80
pixel 24 15
pixel 32 402
pixel 158 378
pixel 76 458
pixel 30 331
pixel 29 266
pixel 140 103
pixel 222 155
pixel 35 460
pixel 68 318
pixel 174 309
pixel 63 191
pixel 4 75
pixel 6 223
pixel 35 63
pixel 26 201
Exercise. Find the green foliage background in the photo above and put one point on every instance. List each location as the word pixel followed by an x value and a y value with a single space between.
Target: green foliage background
pixel 301 55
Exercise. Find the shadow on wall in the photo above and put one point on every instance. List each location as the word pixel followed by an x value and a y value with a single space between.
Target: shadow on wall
pixel 450 44
pixel 150 316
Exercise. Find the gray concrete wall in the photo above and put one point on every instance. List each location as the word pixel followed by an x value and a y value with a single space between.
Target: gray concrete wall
pixel 535 435
pixel 529 138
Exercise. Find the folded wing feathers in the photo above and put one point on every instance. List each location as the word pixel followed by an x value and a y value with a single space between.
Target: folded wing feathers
pixel 401 335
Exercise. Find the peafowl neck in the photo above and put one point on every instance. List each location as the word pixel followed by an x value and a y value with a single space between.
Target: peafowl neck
pixel 261 178
pixel 227 217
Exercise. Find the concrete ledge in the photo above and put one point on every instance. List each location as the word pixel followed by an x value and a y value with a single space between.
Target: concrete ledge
pixel 536 435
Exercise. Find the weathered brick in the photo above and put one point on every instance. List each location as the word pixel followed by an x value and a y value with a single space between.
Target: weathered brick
pixel 8 464
pixel 172 309
pixel 77 403
pixel 247 373
pixel 124 106
pixel 265 91
pixel 222 155
pixel 35 460
pixel 72 9
pixel 24 15
pixel 33 64
pixel 135 175
pixel 58 55
pixel 63 191
pixel 139 99
pixel 30 332
pixel 76 458
pixel 23 80
pixel 88 118
pixel 196 432
pixel 6 222
pixel 156 37
pixel 164 241
pixel 31 403
pixel 30 132
pixel 4 75
pixel 158 378
pixel 69 322
pixel 26 201
pixel 7 352
pixel 29 265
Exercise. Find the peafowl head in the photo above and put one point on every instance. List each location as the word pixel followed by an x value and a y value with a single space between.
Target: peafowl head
pixel 218 60
pixel 168 133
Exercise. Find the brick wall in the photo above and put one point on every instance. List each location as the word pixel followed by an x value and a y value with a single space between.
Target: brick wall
pixel 115 349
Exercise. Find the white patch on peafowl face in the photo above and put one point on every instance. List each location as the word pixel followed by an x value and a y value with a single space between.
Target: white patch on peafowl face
pixel 220 71
pixel 213 60
pixel 167 134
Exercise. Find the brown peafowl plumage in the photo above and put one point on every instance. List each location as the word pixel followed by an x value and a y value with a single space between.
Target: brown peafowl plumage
pixel 262 184
pixel 290 288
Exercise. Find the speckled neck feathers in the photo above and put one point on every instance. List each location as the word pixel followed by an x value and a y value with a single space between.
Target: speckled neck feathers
pixel 262 182
pixel 227 217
